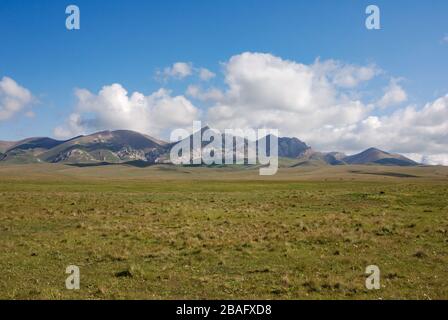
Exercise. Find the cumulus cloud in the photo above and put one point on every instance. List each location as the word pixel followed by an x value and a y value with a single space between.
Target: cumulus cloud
pixel 345 75
pixel 394 94
pixel 113 108
pixel 13 98
pixel 197 92
pixel 266 91
pixel 181 70
pixel 205 74
pixel 178 70
pixel 433 159
pixel 421 132
pixel 322 103
pixel 316 103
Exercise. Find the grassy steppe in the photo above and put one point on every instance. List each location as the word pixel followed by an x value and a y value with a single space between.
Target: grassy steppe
pixel 201 233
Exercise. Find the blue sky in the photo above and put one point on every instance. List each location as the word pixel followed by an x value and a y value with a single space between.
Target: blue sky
pixel 126 42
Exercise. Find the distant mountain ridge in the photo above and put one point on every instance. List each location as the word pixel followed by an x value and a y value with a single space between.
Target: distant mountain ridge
pixel 373 155
pixel 125 146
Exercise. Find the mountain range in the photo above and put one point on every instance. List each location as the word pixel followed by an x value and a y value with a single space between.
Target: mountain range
pixel 125 146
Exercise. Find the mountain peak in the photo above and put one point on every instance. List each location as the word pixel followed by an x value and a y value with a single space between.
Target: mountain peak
pixel 375 155
pixel 374 150
pixel 117 146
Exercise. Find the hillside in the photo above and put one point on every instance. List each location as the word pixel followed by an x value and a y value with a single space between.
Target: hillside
pixel 125 146
pixel 107 146
pixel 376 156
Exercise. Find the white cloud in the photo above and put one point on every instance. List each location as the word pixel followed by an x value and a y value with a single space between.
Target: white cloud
pixel 178 70
pixel 445 39
pixel 181 70
pixel 205 74
pixel 321 103
pixel 13 98
pixel 345 75
pixel 73 126
pixel 394 94
pixel 112 108
pixel 196 92
pixel 312 103
pixel 408 130
pixel 267 91
pixel 434 159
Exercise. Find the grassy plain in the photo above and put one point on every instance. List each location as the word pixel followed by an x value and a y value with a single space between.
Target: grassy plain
pixel 199 233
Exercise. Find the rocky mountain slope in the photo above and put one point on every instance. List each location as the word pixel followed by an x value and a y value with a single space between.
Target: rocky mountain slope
pixel 125 146
pixel 376 156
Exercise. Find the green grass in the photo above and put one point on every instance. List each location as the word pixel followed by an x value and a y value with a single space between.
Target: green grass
pixel 166 233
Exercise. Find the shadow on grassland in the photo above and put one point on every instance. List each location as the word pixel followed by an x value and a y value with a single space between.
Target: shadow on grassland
pixel 136 163
pixel 389 174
